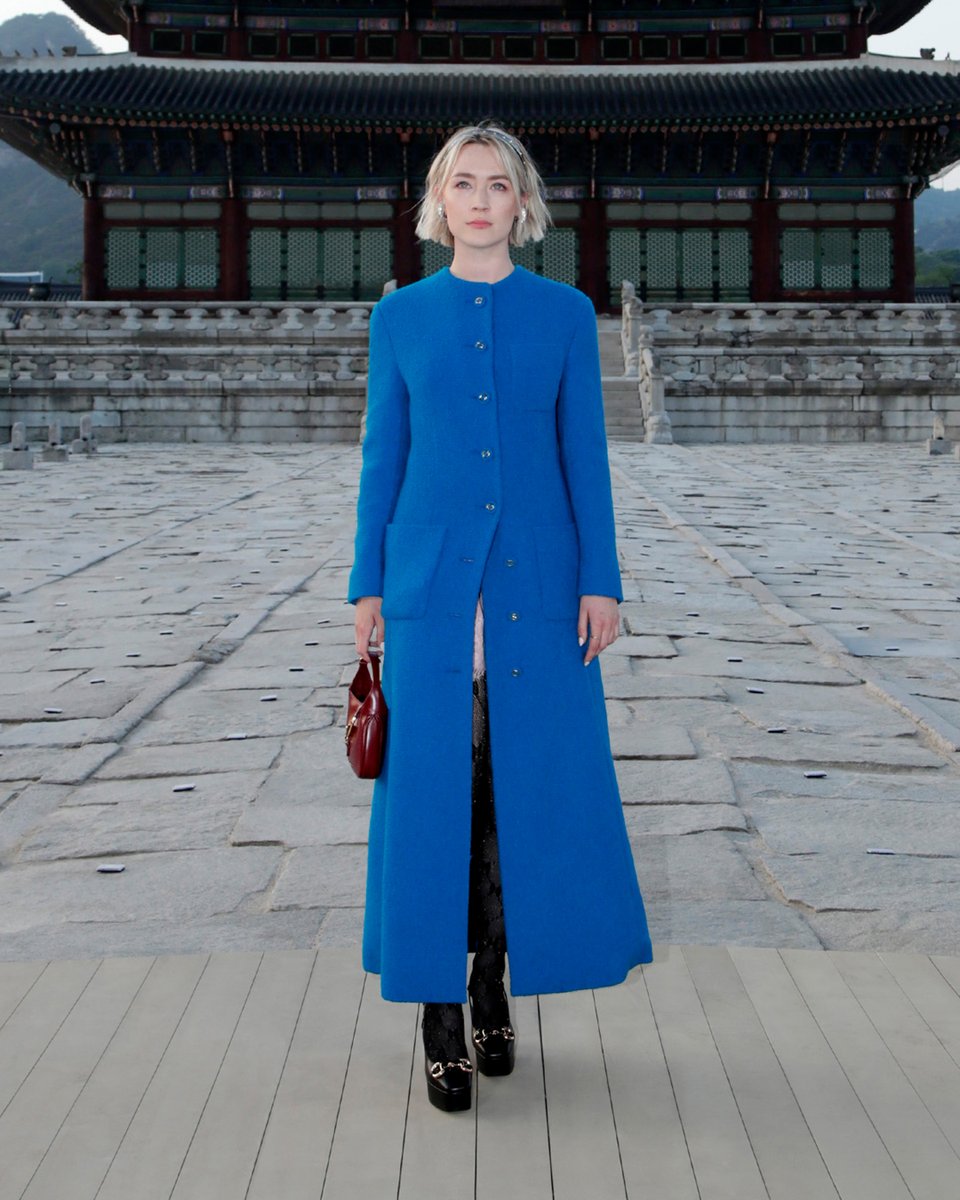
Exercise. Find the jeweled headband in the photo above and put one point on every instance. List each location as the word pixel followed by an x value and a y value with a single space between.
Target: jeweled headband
pixel 507 139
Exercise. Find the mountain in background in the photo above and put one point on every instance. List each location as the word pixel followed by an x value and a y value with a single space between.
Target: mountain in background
pixel 41 216
pixel 45 33
pixel 938 220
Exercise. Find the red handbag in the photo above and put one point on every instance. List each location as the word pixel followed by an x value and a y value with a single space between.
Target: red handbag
pixel 366 730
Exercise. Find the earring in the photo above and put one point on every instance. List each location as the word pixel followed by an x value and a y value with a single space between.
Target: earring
pixel 440 212
pixel 523 215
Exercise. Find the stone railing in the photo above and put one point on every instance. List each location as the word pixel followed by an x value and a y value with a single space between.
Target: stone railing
pixel 97 321
pixel 171 371
pixel 797 372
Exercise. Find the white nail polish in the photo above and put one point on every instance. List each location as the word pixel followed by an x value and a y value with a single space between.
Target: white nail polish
pixel 580 641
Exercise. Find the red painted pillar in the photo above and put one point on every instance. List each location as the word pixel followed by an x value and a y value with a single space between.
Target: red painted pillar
pixel 766 252
pixel 233 251
pixel 406 245
pixel 904 254
pixel 593 254
pixel 93 283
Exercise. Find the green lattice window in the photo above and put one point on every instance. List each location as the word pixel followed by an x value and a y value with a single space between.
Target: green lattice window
pixel 319 264
pixel 556 257
pixel 836 259
pixel 669 265
pixel 161 259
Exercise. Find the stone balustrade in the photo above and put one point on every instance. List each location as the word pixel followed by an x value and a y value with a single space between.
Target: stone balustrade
pixel 796 372
pixel 97 321
pixel 184 371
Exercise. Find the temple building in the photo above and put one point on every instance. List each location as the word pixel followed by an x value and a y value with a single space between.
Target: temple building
pixel 706 150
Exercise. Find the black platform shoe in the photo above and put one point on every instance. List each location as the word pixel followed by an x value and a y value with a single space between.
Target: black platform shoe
pixel 448 1070
pixel 494 1038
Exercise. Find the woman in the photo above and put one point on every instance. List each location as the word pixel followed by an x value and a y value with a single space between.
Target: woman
pixel 485 532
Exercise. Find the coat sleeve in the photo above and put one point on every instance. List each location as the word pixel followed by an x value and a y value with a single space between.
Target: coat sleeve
pixel 583 455
pixel 385 448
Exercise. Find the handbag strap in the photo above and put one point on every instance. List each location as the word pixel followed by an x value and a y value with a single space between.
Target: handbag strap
pixel 375 664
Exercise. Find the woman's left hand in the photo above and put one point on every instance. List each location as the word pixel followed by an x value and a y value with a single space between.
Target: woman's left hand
pixel 598 624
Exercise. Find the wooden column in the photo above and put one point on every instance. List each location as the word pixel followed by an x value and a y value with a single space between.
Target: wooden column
pixel 233 251
pixel 593 254
pixel 406 247
pixel 766 252
pixel 93 285
pixel 904 254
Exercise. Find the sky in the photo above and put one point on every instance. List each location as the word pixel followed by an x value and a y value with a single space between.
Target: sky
pixel 938 26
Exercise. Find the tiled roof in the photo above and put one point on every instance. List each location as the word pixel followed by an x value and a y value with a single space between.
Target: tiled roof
pixel 107 15
pixel 131 89
pixel 891 14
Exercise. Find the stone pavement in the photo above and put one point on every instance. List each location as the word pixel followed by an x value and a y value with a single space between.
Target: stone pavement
pixel 784 703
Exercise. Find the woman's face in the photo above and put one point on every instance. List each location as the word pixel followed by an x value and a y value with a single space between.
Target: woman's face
pixel 479 199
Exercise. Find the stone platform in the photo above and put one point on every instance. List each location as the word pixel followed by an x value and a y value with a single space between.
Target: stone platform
pixel 785 718
pixel 783 701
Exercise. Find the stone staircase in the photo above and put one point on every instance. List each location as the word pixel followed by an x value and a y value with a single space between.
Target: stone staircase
pixel 621 396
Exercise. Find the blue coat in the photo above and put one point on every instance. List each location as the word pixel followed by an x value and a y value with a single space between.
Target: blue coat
pixel 485 468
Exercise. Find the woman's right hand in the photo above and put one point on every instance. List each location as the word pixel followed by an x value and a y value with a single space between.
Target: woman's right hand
pixel 368 624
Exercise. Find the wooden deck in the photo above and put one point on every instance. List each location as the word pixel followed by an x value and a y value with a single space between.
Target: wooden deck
pixel 713 1074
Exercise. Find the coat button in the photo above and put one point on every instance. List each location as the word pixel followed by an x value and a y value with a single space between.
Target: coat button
pixel 491 506
pixel 516 671
pixel 485 453
pixel 480 345
pixel 509 562
pixel 479 300
pixel 483 397
pixel 514 616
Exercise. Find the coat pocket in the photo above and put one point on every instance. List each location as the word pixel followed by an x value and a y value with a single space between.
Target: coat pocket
pixel 410 557
pixel 558 565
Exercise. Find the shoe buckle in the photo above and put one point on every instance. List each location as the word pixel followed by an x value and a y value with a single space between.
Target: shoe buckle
pixel 505 1031
pixel 438 1068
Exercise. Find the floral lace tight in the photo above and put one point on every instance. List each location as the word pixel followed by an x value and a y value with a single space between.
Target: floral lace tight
pixel 443 1023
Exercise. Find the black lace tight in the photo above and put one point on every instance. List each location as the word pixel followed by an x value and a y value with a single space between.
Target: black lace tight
pixel 443 1023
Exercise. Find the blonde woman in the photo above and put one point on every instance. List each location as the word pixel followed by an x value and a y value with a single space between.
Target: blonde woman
pixel 485 561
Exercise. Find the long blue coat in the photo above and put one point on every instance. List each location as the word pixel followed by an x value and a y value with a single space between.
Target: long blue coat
pixel 485 469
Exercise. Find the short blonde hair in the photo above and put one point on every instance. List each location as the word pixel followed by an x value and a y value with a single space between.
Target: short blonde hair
pixel 517 165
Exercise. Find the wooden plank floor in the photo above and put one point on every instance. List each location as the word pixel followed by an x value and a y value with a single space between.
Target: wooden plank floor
pixel 712 1074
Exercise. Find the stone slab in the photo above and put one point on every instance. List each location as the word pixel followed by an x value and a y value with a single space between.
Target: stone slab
pixel 680 819
pixel 198 758
pixel 819 750
pixel 729 923
pixel 639 646
pixel 890 929
pixel 294 930
pixel 313 769
pixel 701 866
pixel 321 877
pixel 292 712
pixel 645 685
pixel 341 927
pixel 74 701
pixel 31 805
pixel 861 882
pixel 165 886
pixel 180 822
pixel 641 739
pixel 700 781
pixel 761 781
pixel 795 825
pixel 902 647
pixel 47 733
pixel 294 825
pixel 27 763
